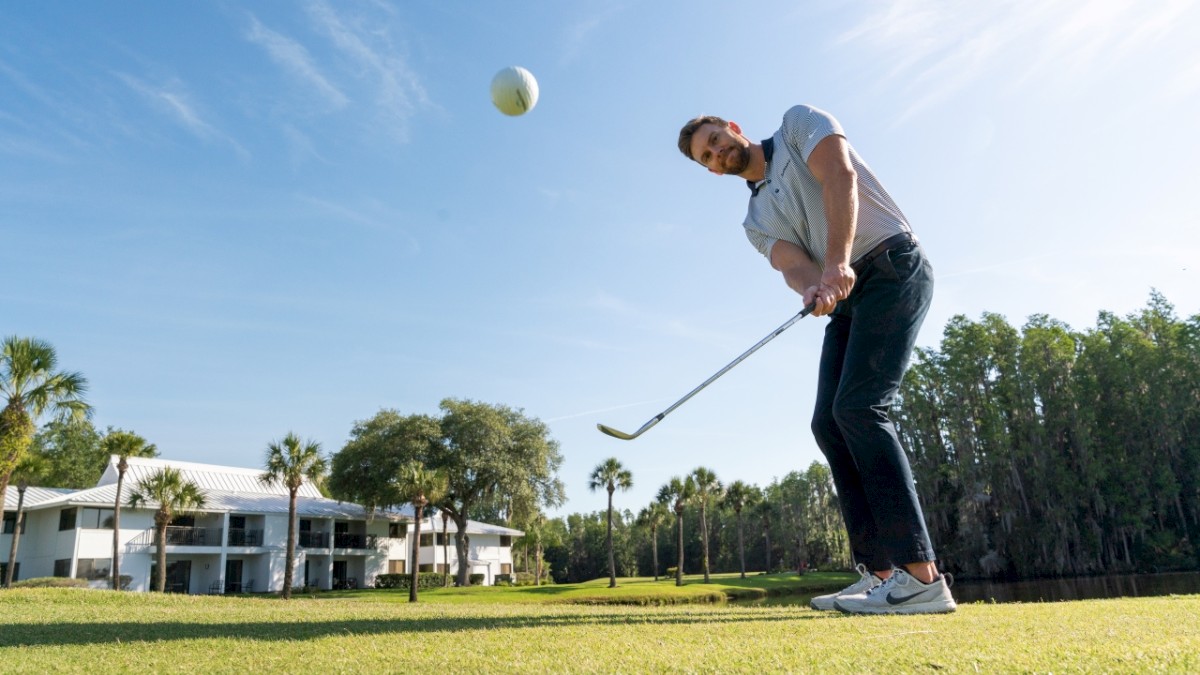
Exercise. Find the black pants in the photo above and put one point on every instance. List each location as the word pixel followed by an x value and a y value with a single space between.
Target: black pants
pixel 868 342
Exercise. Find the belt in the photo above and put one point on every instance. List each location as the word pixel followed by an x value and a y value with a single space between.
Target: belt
pixel 884 246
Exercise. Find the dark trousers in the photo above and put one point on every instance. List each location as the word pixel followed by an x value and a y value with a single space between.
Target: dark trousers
pixel 868 342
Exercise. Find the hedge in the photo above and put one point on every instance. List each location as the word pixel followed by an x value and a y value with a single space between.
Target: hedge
pixel 424 580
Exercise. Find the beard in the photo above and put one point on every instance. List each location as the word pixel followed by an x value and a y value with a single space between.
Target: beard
pixel 737 160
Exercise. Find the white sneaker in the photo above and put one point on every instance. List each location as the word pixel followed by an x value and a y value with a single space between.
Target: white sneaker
pixel 864 584
pixel 901 593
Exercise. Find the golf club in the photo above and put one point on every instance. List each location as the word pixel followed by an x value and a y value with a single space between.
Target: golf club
pixel 657 418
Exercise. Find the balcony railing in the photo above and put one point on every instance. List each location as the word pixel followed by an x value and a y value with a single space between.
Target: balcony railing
pixel 183 536
pixel 347 540
pixel 314 539
pixel 239 537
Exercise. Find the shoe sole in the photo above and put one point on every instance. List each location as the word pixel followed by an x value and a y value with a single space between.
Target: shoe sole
pixel 914 609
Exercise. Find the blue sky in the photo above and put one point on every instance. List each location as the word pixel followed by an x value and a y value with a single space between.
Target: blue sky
pixel 243 219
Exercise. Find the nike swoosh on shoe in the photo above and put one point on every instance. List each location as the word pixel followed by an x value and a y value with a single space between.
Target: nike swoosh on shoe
pixel 894 600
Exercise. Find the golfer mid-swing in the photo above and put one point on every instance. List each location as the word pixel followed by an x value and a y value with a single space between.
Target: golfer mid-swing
pixel 822 219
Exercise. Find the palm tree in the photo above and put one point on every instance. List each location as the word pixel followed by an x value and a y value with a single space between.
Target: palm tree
pixel 738 496
pixel 420 486
pixel 765 510
pixel 290 462
pixel 610 475
pixel 124 445
pixel 651 518
pixel 22 485
pixel 707 487
pixel 675 494
pixel 174 496
pixel 446 547
pixel 30 387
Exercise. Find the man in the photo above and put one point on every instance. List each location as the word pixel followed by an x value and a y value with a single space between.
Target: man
pixel 825 222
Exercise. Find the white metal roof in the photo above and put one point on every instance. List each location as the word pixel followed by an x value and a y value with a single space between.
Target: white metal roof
pixel 434 524
pixel 205 476
pixel 33 496
pixel 225 489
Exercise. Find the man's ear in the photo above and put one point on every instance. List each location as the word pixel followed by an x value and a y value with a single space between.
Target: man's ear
pixel 736 129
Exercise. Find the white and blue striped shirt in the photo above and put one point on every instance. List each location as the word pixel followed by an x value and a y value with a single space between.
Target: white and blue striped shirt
pixel 787 203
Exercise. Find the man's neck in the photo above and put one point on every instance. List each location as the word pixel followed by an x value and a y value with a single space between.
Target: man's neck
pixel 757 169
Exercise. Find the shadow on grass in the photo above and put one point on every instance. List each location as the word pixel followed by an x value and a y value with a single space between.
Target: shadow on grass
pixel 67 633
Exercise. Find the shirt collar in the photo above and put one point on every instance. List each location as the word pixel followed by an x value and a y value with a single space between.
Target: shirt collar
pixel 768 147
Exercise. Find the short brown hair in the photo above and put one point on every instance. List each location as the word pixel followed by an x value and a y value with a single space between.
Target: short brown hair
pixel 689 129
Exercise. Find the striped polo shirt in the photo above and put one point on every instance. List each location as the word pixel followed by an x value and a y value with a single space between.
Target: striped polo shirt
pixel 787 203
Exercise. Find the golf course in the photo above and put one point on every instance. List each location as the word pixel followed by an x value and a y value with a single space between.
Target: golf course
pixel 640 626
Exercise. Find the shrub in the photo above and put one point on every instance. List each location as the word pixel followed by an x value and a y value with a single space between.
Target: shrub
pixel 51 582
pixel 671 572
pixel 504 580
pixel 475 579
pixel 424 580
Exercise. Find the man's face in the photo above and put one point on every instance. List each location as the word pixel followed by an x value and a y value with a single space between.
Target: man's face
pixel 720 149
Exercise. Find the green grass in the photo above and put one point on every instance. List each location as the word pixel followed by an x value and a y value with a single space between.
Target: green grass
pixel 629 591
pixel 531 630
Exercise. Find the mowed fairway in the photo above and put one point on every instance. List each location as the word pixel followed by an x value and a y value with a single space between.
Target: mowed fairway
pixel 526 630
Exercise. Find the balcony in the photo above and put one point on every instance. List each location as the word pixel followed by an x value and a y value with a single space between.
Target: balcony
pixel 240 537
pixel 347 540
pixel 314 539
pixel 183 536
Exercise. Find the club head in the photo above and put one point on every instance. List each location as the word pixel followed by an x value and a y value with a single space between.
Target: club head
pixel 616 434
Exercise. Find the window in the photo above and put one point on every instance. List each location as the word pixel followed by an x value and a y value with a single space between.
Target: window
pixel 505 568
pixel 425 568
pixel 441 567
pixel 16 571
pixel 427 540
pixel 237 522
pixel 395 567
pixel 10 524
pixel 96 519
pixel 93 568
pixel 183 521
pixel 397 530
pixel 66 521
pixel 306 526
pixel 505 540
pixel 443 539
pixel 62 568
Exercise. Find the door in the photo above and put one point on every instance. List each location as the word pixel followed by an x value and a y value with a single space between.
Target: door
pixel 233 576
pixel 179 576
pixel 339 573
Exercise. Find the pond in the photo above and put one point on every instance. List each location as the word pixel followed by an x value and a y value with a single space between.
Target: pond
pixel 1078 588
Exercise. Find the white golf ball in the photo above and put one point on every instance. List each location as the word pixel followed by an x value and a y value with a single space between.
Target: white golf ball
pixel 514 91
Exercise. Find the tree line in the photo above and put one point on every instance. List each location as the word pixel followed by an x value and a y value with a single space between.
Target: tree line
pixel 1047 451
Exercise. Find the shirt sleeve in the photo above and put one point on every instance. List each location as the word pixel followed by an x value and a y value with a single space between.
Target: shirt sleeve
pixel 760 240
pixel 805 126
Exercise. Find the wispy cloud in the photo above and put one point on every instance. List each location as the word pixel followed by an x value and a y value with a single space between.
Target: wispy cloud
pixel 365 217
pixel 173 101
pixel 396 88
pixel 578 35
pixel 294 58
pixel 937 48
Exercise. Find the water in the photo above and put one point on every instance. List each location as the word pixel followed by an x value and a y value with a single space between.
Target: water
pixel 1080 588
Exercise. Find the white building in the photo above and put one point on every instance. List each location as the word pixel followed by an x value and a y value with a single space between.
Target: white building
pixel 236 542
pixel 489 549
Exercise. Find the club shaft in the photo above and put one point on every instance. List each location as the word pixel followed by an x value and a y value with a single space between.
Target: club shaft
pixel 775 333
pixel 657 418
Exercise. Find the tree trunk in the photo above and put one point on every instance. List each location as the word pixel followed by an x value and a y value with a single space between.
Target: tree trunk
pixel 767 546
pixel 460 547
pixel 741 545
pixel 289 561
pixel 416 555
pixel 612 564
pixel 654 550
pixel 16 537
pixel 116 554
pixel 445 550
pixel 161 520
pixel 679 527
pixel 704 538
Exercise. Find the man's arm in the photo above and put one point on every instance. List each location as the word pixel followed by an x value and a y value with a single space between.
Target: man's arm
pixel 802 275
pixel 830 165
